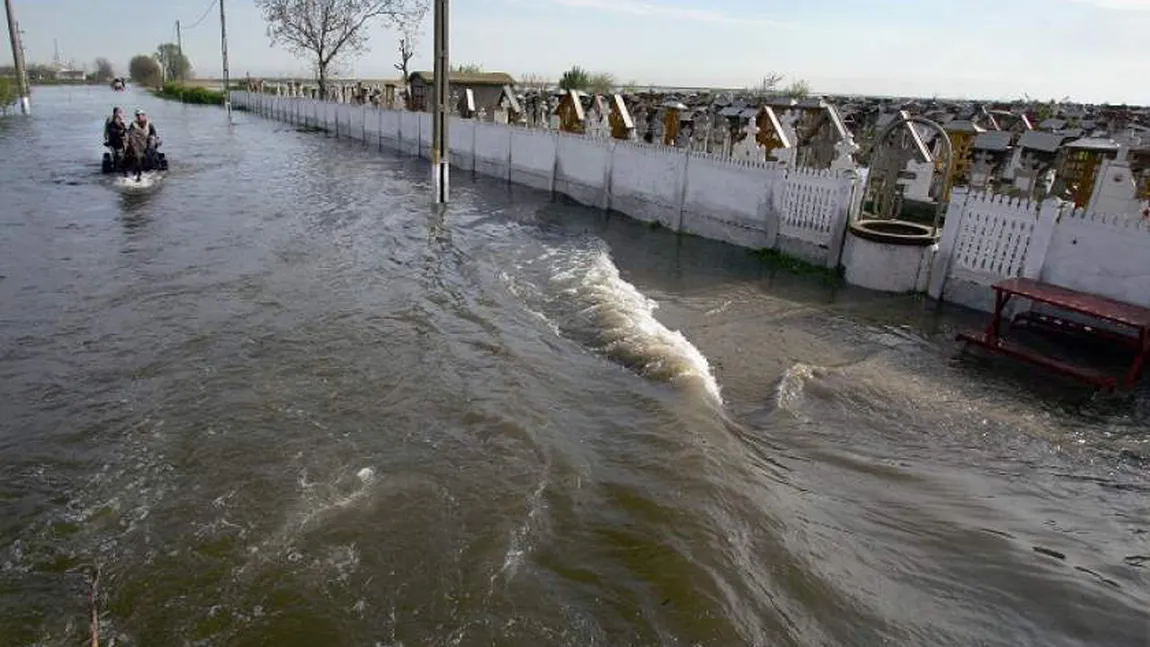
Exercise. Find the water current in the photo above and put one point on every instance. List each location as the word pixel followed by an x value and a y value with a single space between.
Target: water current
pixel 280 399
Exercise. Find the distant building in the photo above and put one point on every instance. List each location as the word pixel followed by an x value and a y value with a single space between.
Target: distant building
pixel 486 89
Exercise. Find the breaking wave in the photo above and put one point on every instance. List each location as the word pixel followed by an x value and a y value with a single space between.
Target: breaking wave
pixel 584 297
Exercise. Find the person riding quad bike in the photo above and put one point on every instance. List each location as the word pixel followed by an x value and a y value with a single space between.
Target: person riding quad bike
pixel 142 144
pixel 116 135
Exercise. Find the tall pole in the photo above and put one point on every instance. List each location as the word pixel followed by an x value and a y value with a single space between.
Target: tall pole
pixel 180 48
pixel 440 160
pixel 18 59
pixel 224 49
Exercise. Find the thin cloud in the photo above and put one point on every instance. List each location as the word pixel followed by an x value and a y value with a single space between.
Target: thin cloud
pixel 1128 5
pixel 635 8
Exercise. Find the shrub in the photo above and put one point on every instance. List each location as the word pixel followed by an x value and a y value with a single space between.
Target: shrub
pixel 191 94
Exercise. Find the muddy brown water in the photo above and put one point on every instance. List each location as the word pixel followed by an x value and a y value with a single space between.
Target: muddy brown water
pixel 278 399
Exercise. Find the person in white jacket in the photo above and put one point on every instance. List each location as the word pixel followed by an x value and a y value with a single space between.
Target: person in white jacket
pixel 142 144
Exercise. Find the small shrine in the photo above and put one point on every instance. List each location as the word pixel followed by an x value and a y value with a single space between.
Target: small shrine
pixel 989 153
pixel 1139 157
pixel 389 96
pixel 770 134
pixel 598 114
pixel 507 108
pixel 962 133
pixel 466 104
pixel 819 134
pixel 570 112
pixel 672 118
pixel 1033 163
pixel 748 148
pixel 619 118
pixel 1078 166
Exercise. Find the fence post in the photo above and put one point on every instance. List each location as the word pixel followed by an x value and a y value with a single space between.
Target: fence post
pixel 683 189
pixel 555 163
pixel 474 148
pixel 955 213
pixel 844 198
pixel 510 134
pixel 607 174
pixel 1048 214
pixel 769 205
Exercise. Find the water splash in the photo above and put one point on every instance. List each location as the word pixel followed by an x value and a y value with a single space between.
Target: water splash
pixel 587 299
pixel 146 182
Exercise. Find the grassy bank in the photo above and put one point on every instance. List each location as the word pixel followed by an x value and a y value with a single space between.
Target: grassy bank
pixel 775 259
pixel 7 94
pixel 190 94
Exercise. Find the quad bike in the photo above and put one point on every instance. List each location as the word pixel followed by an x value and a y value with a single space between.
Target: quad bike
pixel 115 161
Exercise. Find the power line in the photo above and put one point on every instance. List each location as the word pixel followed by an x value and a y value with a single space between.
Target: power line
pixel 201 18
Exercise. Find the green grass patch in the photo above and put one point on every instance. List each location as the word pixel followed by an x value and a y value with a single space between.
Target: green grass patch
pixel 7 94
pixel 190 94
pixel 775 259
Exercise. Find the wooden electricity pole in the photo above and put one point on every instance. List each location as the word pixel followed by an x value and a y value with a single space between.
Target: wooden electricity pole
pixel 180 49
pixel 224 49
pixel 440 160
pixel 18 58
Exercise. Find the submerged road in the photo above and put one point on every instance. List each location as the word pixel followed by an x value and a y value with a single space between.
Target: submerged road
pixel 278 399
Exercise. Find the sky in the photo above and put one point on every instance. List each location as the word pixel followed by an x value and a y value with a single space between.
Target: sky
pixel 1087 50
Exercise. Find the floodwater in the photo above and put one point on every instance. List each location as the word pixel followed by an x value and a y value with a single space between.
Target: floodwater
pixel 279 399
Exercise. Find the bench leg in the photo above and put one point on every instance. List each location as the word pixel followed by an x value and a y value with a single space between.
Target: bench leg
pixel 994 328
pixel 1139 360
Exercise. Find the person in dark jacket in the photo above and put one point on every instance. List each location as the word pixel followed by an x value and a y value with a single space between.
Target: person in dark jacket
pixel 142 143
pixel 115 134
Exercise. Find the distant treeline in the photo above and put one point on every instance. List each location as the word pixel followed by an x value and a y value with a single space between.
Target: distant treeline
pixel 46 75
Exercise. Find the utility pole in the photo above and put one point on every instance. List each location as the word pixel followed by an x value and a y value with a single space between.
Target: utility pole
pixel 440 160
pixel 18 59
pixel 180 48
pixel 224 49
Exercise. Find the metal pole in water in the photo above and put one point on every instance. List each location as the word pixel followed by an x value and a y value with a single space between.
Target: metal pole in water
pixel 224 50
pixel 440 161
pixel 180 48
pixel 18 59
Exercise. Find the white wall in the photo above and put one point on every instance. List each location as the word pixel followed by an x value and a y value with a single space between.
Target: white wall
pixel 988 238
pixel 751 204
pixel 1101 254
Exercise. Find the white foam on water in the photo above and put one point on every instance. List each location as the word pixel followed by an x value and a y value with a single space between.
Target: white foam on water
pixel 592 303
pixel 792 383
pixel 130 183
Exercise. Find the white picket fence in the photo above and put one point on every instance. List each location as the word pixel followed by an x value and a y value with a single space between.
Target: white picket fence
pixel 988 238
pixel 756 205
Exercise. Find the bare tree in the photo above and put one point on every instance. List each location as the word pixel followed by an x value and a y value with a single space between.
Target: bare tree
pixel 536 82
pixel 406 53
pixel 767 85
pixel 328 29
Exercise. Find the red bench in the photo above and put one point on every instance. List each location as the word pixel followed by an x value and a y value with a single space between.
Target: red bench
pixel 1092 305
